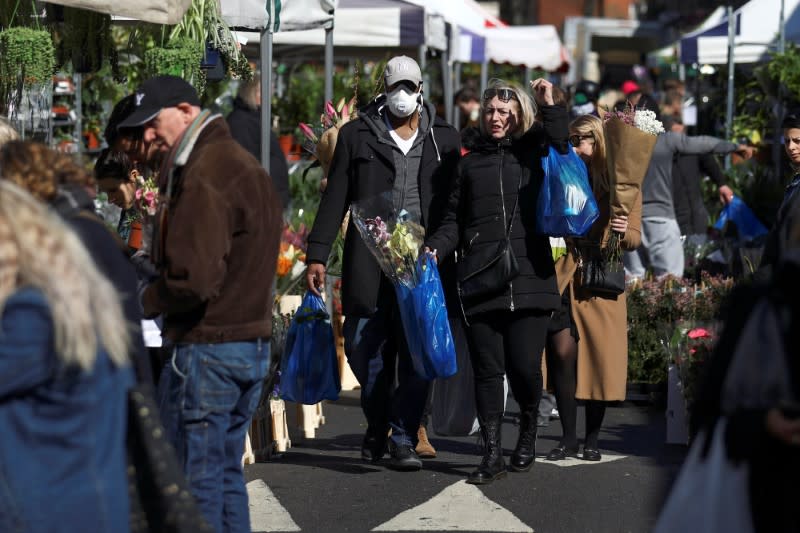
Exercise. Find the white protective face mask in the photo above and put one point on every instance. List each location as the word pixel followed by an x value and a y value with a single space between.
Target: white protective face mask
pixel 402 102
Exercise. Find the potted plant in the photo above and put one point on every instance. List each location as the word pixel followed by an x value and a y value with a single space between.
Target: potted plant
pixel 26 57
pixel 27 63
pixel 202 23
pixel 180 57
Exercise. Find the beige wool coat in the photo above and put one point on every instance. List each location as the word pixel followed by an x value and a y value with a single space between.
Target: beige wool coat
pixel 601 321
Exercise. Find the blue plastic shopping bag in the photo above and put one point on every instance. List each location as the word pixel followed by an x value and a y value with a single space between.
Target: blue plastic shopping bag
pixel 310 369
pixel 566 206
pixel 741 216
pixel 424 316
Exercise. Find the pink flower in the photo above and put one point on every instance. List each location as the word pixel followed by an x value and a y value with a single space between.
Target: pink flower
pixel 699 333
pixel 150 197
pixel 138 194
pixel 330 111
pixel 308 132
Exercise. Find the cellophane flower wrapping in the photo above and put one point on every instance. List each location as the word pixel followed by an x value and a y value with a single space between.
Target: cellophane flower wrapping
pixel 396 240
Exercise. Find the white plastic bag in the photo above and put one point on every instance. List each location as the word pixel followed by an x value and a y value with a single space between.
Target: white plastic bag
pixel 711 494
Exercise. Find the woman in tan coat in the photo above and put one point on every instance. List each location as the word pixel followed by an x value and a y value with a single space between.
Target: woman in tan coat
pixel 593 369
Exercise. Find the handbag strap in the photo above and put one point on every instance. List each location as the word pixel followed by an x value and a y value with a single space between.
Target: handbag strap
pixel 516 204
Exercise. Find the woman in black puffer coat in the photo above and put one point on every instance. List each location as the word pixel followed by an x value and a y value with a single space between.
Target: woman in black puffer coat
pixel 507 327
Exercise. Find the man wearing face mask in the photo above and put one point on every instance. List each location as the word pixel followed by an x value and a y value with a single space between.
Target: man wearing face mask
pixel 397 147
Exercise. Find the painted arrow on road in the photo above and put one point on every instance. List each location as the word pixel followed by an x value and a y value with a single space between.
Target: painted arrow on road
pixel 459 507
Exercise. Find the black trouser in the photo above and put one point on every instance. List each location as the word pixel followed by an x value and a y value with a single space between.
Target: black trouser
pixel 510 343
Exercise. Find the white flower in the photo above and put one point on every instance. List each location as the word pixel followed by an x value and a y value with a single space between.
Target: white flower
pixel 645 120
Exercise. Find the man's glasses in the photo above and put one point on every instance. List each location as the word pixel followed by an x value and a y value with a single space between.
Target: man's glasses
pixel 504 95
pixel 575 140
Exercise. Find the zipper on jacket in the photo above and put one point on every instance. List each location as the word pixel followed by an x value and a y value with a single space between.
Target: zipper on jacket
pixel 505 223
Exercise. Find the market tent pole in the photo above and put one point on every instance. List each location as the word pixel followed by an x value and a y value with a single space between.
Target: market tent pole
pixel 776 148
pixel 329 64
pixel 484 74
pixel 457 83
pixel 265 48
pixel 423 64
pixel 731 66
pixel 447 81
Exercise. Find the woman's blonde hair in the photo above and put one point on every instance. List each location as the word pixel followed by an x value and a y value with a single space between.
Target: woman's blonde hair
pixel 591 125
pixel 38 250
pixel 527 107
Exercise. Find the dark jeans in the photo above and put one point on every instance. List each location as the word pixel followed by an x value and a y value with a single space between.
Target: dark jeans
pixel 208 394
pixel 508 343
pixel 392 393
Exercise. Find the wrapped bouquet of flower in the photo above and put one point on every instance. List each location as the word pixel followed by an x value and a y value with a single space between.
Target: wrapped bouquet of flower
pixel 630 139
pixel 146 196
pixel 321 138
pixel 396 240
pixel 145 207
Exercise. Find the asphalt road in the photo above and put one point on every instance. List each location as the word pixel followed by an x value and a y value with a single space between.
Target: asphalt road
pixel 321 484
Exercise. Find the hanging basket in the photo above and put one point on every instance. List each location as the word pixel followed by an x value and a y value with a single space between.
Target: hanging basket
pixel 27 62
pixel 26 56
pixel 181 58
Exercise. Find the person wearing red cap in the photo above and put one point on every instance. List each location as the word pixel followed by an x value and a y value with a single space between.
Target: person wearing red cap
pixel 630 86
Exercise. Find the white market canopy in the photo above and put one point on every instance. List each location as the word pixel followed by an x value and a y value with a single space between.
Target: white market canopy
pixel 290 15
pixel 155 11
pixel 531 46
pixel 374 24
pixel 757 28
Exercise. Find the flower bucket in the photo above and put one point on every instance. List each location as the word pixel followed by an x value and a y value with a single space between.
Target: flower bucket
pixel 135 236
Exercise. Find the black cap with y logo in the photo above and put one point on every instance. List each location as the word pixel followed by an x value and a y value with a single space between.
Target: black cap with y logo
pixel 157 93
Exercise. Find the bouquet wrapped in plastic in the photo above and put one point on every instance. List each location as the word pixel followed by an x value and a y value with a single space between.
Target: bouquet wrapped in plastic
pixel 396 243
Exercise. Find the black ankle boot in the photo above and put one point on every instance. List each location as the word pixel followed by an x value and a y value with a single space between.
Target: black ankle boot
pixel 492 466
pixel 525 452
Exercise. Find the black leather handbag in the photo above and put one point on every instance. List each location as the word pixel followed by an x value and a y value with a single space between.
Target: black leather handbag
pixel 487 272
pixel 599 276
pixel 491 269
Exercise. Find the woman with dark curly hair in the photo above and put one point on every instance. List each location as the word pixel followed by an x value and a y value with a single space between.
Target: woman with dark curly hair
pixel 56 179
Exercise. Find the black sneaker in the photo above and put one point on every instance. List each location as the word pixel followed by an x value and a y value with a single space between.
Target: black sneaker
pixel 373 447
pixel 404 459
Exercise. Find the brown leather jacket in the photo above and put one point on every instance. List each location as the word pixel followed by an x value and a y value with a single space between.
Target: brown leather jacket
pixel 220 248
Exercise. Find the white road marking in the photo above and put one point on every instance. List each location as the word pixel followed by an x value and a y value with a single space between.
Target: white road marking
pixel 266 512
pixel 572 461
pixel 459 507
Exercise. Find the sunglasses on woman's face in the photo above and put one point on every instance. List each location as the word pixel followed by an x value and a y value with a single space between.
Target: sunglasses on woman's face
pixel 504 95
pixel 575 140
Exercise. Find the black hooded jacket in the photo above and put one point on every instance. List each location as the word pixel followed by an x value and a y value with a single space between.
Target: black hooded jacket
pixel 363 167
pixel 488 181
